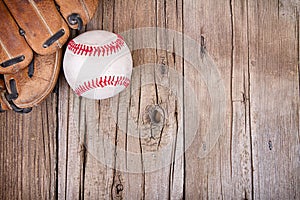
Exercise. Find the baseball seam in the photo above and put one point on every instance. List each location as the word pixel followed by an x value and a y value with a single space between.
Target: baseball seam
pixel 100 51
pixel 102 82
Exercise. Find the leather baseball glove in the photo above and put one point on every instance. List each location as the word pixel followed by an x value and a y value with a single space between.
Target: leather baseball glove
pixel 32 33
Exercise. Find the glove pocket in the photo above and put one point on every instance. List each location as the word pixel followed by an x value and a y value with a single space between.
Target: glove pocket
pixel 26 90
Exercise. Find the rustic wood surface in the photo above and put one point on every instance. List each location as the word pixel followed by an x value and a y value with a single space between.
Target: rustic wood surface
pixel 73 148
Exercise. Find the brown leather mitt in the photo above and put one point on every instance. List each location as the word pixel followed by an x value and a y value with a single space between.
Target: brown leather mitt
pixel 32 33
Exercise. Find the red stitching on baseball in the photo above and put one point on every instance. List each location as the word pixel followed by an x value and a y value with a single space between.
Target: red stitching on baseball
pixel 102 82
pixel 104 50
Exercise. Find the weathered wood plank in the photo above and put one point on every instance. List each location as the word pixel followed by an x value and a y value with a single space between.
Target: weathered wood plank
pixel 241 152
pixel 28 153
pixel 274 98
pixel 209 160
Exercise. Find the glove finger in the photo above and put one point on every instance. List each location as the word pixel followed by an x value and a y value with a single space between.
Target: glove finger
pixel 77 13
pixel 45 30
pixel 27 91
pixel 15 54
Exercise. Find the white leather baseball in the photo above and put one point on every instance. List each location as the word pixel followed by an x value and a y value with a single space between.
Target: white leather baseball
pixel 97 64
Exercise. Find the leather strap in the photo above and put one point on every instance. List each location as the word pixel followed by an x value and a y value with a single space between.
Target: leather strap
pixel 81 9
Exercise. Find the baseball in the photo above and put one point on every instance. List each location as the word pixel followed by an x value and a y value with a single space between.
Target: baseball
pixel 97 64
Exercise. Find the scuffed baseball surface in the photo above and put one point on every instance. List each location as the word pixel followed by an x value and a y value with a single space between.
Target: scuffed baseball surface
pixel 98 64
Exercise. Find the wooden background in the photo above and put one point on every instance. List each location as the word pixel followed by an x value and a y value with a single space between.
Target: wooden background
pixel 255 46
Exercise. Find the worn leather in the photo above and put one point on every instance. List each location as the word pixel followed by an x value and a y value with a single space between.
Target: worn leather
pixel 40 20
pixel 4 105
pixel 31 91
pixel 85 8
pixel 12 44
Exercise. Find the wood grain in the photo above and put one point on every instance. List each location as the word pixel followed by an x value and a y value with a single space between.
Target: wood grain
pixel 218 91
pixel 274 99
pixel 28 153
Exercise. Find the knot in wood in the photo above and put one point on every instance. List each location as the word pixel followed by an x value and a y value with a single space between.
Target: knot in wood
pixel 155 114
pixel 119 188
